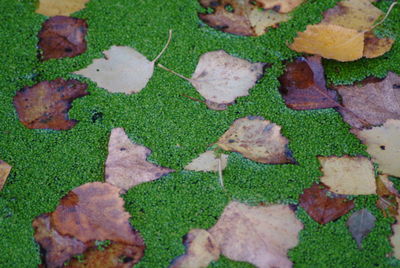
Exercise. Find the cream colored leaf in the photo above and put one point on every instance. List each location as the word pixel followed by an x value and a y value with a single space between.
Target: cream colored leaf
pixel 4 172
pixel 261 20
pixel 127 164
pixel 383 144
pixel 60 7
pixel 348 175
pixel 208 161
pixel 257 139
pixel 282 6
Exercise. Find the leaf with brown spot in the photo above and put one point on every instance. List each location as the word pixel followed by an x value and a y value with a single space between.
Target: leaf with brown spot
pixel 46 104
pixel 360 224
pixel 62 37
pixel 282 6
pixel 208 161
pixel 56 7
pixel 375 47
pixel 4 172
pixel 95 211
pixel 127 164
pixel 257 139
pixel 371 102
pixel 303 85
pixel 388 196
pixel 324 206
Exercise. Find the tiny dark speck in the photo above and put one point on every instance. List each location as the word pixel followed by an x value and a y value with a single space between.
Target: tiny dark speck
pixel 383 147
pixel 231 141
pixel 122 149
pixel 396 86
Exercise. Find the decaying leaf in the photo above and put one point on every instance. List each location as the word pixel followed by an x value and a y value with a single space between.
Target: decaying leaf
pixel 324 206
pixel 360 225
pixel 95 211
pixel 383 144
pixel 372 102
pixel 388 201
pixel 46 104
pixel 57 7
pixel 243 17
pixel 208 161
pixel 127 164
pixel 257 139
pixel 62 37
pixel 282 6
pixel 303 85
pixel 260 235
pixel 374 46
pixel 4 172
pixel 348 175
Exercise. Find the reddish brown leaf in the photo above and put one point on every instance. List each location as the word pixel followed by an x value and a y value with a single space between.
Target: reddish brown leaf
pixel 324 206
pixel 46 104
pixel 303 85
pixel 62 37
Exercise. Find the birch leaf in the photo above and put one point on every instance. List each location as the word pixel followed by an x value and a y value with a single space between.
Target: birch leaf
pixel 360 225
pixel 4 172
pixel 208 161
pixel 57 7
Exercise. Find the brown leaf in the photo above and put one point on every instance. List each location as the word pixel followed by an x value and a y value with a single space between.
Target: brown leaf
pixel 282 6
pixel 95 211
pixel 257 139
pixel 388 196
pixel 374 46
pixel 303 85
pixel 4 172
pixel 62 37
pixel 58 249
pixel 324 206
pixel 371 102
pixel 127 164
pixel 54 8
pixel 46 104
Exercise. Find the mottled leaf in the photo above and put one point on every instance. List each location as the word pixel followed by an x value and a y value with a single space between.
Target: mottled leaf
pixel 374 46
pixel 360 225
pixel 60 7
pixel 282 6
pixel 4 172
pixel 208 161
pixel 388 196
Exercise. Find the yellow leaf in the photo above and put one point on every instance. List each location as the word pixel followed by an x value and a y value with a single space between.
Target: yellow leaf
pixel 282 6
pixel 375 47
pixel 60 7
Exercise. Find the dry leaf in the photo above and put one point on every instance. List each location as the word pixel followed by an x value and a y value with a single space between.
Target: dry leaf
pixel 360 225
pixel 208 161
pixel 303 85
pixel 126 164
pixel 375 47
pixel 395 239
pixel 282 6
pixel 60 7
pixel 324 206
pixel 4 172
pixel 257 139
pixel 46 104
pixel 331 42
pixel 348 175
pixel 388 196
pixel 261 20
pixel 95 211
pixel 62 37
pixel 372 102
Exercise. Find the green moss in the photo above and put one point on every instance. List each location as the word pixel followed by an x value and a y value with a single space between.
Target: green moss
pixel 48 164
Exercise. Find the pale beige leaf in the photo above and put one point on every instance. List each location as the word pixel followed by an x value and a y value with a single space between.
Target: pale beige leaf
pixel 282 6
pixel 208 162
pixel 127 164
pixel 348 175
pixel 4 172
pixel 60 7
pixel 331 42
pixel 383 144
pixel 261 20
pixel 257 139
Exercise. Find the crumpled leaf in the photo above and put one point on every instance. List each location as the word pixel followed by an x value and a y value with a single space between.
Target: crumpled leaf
pixel 348 175
pixel 372 102
pixel 57 7
pixel 46 104
pixel 4 172
pixel 388 201
pixel 324 206
pixel 303 85
pixel 257 139
pixel 282 6
pixel 374 46
pixel 58 248
pixel 383 144
pixel 360 225
pixel 208 161
pixel 127 164
pixel 260 235
pixel 244 18
pixel 95 211
pixel 62 37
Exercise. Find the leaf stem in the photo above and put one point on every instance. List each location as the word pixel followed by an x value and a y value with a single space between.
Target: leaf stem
pixel 165 47
pixel 173 72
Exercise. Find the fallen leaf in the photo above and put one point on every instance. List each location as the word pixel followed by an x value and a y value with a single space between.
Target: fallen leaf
pixel 122 70
pixel 95 211
pixel 4 172
pixel 282 6
pixel 55 8
pixel 330 42
pixel 348 175
pixel 303 85
pixel 388 196
pixel 324 206
pixel 62 37
pixel 395 239
pixel 58 249
pixel 375 47
pixel 208 161
pixel 262 20
pixel 46 104
pixel 371 102
pixel 360 225
pixel 257 139
pixel 127 164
